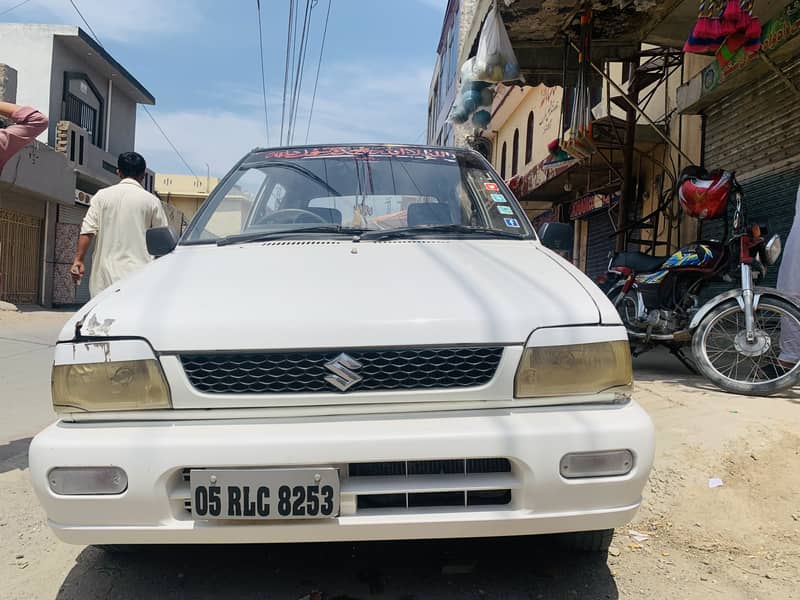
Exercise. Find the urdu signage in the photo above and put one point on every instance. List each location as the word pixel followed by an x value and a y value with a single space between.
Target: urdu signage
pixel 591 203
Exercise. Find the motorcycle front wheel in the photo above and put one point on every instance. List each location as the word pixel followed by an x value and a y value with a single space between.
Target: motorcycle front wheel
pixel 724 355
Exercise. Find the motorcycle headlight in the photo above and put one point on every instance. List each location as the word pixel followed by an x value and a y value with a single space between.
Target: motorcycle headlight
pixel 108 376
pixel 573 369
pixel 773 249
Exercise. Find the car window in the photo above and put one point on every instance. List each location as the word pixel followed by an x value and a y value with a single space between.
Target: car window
pixel 372 188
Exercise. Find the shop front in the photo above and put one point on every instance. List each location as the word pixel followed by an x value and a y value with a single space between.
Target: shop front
pixel 751 108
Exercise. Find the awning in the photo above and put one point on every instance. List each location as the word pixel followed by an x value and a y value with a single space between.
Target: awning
pixel 536 29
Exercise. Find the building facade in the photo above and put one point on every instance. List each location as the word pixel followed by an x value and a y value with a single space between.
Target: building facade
pixel 185 193
pixel 91 101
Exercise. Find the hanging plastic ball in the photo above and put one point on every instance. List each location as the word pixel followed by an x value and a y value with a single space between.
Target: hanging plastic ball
pixel 487 96
pixel 511 71
pixel 496 73
pixel 471 101
pixel 481 119
pixel 458 115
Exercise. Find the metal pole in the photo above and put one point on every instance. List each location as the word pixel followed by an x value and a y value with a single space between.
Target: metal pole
pixel 628 197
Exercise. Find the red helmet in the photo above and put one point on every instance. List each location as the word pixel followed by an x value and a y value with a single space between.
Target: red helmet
pixel 704 195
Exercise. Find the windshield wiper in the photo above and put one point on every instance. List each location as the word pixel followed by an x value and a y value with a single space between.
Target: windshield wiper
pixel 243 238
pixel 451 228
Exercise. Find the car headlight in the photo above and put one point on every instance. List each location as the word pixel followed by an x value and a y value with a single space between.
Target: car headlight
pixel 108 376
pixel 773 249
pixel 573 369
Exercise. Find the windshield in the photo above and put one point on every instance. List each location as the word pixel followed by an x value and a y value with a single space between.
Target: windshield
pixel 335 190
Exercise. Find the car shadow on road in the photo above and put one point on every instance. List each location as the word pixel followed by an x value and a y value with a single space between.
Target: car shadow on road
pixel 14 455
pixel 519 567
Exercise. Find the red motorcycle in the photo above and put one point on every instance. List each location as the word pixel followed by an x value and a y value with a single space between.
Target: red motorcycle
pixel 735 336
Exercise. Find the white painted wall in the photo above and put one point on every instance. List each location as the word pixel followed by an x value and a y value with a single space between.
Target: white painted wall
pixel 29 50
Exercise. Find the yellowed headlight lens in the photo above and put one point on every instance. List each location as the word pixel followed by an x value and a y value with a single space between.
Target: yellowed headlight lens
pixel 121 385
pixel 573 369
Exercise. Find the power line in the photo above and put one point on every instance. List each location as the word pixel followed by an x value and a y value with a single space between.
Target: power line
pixel 319 65
pixel 300 69
pixel 263 76
pixel 286 69
pixel 169 141
pixel 164 133
pixel 85 22
pixel 8 10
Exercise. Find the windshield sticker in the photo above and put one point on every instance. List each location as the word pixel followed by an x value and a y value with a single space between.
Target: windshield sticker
pixel 505 210
pixel 364 152
pixel 492 187
pixel 499 198
pixel 511 223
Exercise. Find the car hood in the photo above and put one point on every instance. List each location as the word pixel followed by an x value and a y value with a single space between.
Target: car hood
pixel 304 294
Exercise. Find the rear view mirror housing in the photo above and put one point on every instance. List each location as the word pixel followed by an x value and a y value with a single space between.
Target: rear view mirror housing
pixel 160 241
pixel 558 237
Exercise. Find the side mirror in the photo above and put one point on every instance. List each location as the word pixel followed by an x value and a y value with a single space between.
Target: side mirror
pixel 557 236
pixel 160 241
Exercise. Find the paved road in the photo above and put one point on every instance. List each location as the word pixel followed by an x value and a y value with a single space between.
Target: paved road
pixel 26 355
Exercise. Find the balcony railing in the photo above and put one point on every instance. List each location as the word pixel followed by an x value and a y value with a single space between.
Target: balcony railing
pixel 83 115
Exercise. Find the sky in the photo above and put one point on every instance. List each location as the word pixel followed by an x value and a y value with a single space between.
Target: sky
pixel 200 59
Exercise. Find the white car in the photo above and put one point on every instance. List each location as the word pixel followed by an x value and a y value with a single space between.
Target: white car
pixel 348 343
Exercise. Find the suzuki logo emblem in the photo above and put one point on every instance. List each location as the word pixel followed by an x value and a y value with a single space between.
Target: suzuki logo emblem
pixel 344 377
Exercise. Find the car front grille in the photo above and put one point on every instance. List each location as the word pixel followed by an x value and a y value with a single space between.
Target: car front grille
pixel 305 372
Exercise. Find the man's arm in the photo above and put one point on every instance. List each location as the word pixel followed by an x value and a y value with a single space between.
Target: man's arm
pixel 28 123
pixel 78 268
pixel 89 228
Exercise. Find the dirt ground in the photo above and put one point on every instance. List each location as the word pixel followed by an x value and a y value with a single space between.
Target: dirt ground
pixel 739 540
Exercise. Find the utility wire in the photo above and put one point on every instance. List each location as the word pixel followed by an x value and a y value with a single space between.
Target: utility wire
pixel 263 75
pixel 169 141
pixel 300 68
pixel 286 69
pixel 85 22
pixel 319 65
pixel 8 10
pixel 164 133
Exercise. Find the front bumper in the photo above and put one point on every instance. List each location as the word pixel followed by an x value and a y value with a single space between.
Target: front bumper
pixel 155 455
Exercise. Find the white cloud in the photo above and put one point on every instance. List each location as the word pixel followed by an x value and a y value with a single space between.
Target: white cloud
pixel 120 21
pixel 439 5
pixel 355 103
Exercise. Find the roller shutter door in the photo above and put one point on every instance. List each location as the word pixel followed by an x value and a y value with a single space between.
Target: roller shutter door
pixel 756 132
pixel 600 243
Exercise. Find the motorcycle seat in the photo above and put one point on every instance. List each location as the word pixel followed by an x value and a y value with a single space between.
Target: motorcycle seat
pixel 639 262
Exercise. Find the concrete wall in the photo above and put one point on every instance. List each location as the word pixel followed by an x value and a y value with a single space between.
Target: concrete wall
pixel 123 123
pixel 64 60
pixel 39 170
pixel 511 110
pixel 29 50
pixel 168 183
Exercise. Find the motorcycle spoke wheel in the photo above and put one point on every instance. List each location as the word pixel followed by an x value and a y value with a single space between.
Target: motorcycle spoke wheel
pixel 736 364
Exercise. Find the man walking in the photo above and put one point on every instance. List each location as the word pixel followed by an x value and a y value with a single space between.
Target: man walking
pixel 789 283
pixel 28 123
pixel 118 217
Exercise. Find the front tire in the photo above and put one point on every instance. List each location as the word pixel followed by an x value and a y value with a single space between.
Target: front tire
pixel 724 356
pixel 586 541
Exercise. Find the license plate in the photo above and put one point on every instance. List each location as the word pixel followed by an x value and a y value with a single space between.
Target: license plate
pixel 264 493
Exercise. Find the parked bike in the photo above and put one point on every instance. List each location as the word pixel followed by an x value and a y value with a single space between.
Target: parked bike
pixel 735 336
